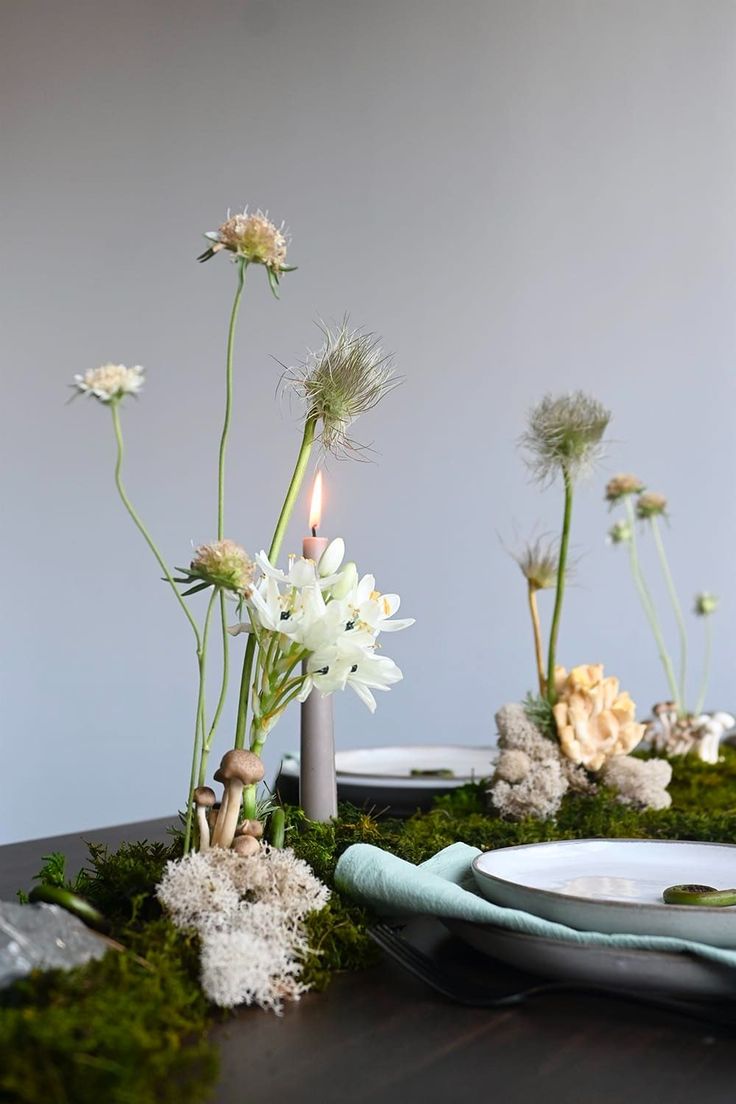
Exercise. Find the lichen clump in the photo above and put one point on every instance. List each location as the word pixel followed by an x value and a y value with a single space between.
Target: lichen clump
pixel 248 913
pixel 532 775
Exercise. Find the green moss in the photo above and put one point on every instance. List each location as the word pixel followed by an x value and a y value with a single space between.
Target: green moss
pixel 125 1031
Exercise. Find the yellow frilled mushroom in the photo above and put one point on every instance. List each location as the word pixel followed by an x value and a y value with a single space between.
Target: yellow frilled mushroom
pixel 594 721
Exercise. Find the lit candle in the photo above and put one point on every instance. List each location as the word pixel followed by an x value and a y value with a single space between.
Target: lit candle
pixel 317 782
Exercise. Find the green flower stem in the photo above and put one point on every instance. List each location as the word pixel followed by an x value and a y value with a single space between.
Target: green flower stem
pixel 560 591
pixel 671 590
pixel 706 667
pixel 300 470
pixel 649 607
pixel 292 494
pixel 223 689
pixel 199 741
pixel 228 399
pixel 139 524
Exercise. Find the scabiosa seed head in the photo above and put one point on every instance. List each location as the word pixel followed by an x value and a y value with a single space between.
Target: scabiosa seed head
pixel 346 377
pixel 224 564
pixel 620 533
pixel 650 505
pixel 622 485
pixel 564 435
pixel 110 382
pixel 705 604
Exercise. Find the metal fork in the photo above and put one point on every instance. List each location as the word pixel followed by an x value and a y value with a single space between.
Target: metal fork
pixel 460 992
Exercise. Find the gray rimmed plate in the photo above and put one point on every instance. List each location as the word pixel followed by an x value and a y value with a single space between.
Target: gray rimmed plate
pixel 614 885
pixel 681 975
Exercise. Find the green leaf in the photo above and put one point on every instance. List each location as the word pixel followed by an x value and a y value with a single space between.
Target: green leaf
pixel 195 589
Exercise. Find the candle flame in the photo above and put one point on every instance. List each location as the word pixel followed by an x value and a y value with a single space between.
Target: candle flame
pixel 315 509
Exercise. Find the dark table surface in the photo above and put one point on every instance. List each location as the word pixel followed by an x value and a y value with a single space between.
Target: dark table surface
pixel 381 1036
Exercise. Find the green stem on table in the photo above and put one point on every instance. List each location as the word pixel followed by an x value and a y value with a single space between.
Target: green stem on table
pixel 199 739
pixel 198 742
pixel 672 591
pixel 560 591
pixel 199 720
pixel 292 494
pixel 706 667
pixel 139 524
pixel 649 608
pixel 223 690
pixel 228 400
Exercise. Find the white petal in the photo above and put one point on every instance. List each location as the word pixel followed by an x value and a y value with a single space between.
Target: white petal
pixel 364 694
pixel 396 625
pixel 332 557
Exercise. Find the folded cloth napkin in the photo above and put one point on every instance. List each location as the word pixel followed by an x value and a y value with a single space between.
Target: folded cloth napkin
pixel 444 886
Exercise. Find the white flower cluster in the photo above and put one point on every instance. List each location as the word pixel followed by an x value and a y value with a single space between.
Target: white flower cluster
pixel 110 381
pixel 248 913
pixel 326 614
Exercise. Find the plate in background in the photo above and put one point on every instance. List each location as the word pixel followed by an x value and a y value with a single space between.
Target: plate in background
pixel 382 777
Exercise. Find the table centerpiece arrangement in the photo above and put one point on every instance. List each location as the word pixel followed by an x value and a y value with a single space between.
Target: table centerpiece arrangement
pixel 310 628
pixel 252 903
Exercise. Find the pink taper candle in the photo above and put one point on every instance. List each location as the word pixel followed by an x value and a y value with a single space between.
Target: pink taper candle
pixel 317 782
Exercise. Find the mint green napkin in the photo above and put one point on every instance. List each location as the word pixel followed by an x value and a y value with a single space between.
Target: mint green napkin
pixel 444 886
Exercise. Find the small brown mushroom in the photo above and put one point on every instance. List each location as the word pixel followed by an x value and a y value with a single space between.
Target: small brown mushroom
pixel 250 828
pixel 218 776
pixel 204 799
pixel 238 768
pixel 245 846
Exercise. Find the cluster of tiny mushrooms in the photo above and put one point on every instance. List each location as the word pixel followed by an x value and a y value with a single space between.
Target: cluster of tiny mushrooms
pixel 222 827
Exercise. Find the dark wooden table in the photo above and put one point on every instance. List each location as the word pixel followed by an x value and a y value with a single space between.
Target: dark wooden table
pixel 381 1036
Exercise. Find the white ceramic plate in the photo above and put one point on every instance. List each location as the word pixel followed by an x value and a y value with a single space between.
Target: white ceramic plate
pixel 393 766
pixel 679 975
pixel 614 885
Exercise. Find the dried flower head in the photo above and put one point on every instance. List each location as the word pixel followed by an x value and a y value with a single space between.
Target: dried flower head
pixel 110 382
pixel 254 239
pixel 651 505
pixel 539 563
pixel 564 435
pixel 223 564
pixel 705 604
pixel 346 377
pixel 595 720
pixel 620 533
pixel 622 485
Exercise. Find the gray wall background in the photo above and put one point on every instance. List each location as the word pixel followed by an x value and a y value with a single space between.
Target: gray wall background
pixel 519 195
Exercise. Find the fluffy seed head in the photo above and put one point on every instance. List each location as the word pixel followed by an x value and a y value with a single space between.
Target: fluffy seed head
pixel 564 435
pixel 539 563
pixel 622 485
pixel 110 382
pixel 705 604
pixel 346 377
pixel 225 564
pixel 651 505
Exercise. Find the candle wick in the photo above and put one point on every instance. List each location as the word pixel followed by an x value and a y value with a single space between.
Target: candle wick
pixel 314 530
